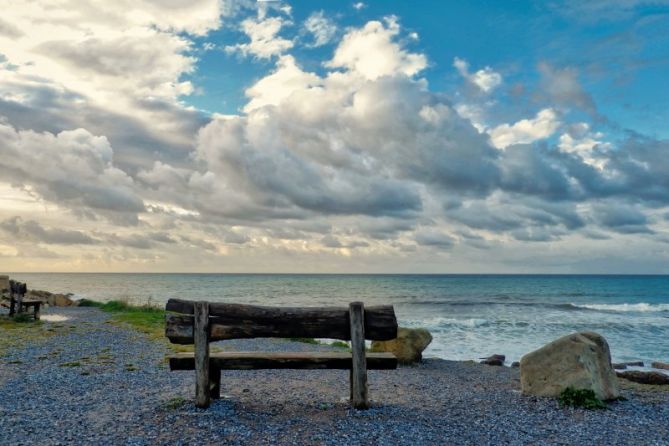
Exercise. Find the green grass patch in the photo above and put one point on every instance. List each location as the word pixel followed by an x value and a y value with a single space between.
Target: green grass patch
pixel 174 403
pixel 23 318
pixel 89 303
pixel 147 318
pixel 340 344
pixel 584 398
pixel 21 333
pixel 71 364
pixel 305 340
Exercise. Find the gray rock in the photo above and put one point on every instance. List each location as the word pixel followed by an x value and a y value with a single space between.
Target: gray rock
pixel 638 376
pixel 408 346
pixel 494 360
pixel 659 365
pixel 579 360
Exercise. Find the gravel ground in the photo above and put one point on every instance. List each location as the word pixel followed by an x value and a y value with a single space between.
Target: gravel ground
pixel 96 383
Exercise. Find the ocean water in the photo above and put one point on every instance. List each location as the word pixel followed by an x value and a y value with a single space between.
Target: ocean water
pixel 470 316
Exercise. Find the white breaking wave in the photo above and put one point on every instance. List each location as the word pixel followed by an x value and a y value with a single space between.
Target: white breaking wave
pixel 437 322
pixel 640 307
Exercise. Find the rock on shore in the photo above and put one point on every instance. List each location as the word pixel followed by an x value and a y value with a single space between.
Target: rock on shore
pixel 579 360
pixel 54 300
pixel 638 376
pixel 660 365
pixel 408 346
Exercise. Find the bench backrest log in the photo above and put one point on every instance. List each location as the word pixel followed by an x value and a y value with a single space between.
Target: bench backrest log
pixel 235 321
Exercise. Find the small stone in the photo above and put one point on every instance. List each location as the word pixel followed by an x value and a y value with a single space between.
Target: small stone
pixel 495 359
pixel 659 365
pixel 515 364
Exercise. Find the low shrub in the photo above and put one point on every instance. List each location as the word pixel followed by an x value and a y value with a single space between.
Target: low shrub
pixel 584 398
pixel 89 303
pixel 23 318
pixel 305 340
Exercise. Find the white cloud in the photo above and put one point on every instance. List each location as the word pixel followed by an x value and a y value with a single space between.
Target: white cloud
pixel 287 79
pixel 362 157
pixel 485 79
pixel 580 140
pixel 321 28
pixel 526 130
pixel 359 5
pixel 113 68
pixel 265 42
pixel 73 169
pixel 371 52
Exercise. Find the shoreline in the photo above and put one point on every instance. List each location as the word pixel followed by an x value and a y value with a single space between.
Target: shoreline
pixel 469 318
pixel 94 380
pixel 429 352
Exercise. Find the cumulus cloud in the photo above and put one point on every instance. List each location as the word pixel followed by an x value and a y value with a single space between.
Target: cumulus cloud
pixel 265 41
pixel 372 52
pixel 114 69
pixel 485 79
pixel 72 169
pixel 321 28
pixel 359 152
pixel 526 131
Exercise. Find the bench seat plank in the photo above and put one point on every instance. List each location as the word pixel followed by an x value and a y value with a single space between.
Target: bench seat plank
pixel 283 360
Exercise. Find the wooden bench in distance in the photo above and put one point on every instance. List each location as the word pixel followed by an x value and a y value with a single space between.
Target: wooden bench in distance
pixel 17 301
pixel 199 323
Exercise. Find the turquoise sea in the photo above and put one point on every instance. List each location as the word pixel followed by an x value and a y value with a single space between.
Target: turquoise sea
pixel 470 316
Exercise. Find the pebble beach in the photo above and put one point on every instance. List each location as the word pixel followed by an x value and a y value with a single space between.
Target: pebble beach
pixel 95 382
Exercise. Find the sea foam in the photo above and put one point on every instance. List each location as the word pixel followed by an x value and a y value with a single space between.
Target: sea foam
pixel 638 307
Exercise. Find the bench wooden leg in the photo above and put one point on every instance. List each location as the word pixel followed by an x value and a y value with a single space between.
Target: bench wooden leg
pixel 215 383
pixel 37 315
pixel 19 304
pixel 201 338
pixel 12 305
pixel 359 389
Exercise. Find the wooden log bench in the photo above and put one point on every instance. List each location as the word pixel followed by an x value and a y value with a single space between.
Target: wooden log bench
pixel 18 303
pixel 200 323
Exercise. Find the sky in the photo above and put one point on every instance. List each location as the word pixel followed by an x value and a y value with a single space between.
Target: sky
pixel 334 136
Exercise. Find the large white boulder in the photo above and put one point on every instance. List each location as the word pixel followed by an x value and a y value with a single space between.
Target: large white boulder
pixel 579 360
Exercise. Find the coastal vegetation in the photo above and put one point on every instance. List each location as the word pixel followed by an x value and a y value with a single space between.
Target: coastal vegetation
pixel 584 398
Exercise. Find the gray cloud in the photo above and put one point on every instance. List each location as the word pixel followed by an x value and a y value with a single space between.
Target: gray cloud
pixel 621 218
pixel 72 168
pixel 9 30
pixel 431 237
pixel 34 231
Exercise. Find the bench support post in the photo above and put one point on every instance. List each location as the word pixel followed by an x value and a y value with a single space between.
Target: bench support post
pixel 12 303
pixel 359 389
pixel 201 338
pixel 215 383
